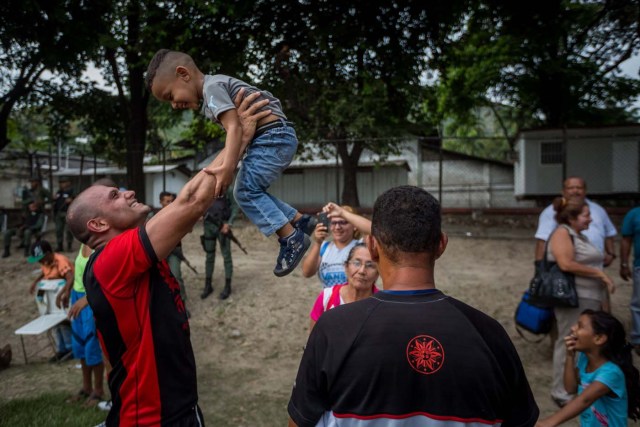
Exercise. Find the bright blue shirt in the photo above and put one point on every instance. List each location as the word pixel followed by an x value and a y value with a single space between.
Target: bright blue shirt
pixel 610 409
pixel 631 228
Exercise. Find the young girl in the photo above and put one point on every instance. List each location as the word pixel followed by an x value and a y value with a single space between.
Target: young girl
pixel 599 368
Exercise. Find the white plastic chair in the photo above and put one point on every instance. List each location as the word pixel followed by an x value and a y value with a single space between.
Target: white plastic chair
pixel 50 315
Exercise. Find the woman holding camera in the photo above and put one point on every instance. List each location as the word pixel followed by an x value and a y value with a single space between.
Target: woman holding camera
pixel 327 258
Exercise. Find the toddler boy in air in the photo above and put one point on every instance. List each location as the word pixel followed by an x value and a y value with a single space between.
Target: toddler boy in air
pixel 174 77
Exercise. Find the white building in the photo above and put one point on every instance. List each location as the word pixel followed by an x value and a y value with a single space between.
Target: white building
pixel 468 182
pixel 608 158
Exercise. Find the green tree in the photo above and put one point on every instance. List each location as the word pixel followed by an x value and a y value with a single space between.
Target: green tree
pixel 28 134
pixel 38 35
pixel 555 64
pixel 349 73
pixel 139 29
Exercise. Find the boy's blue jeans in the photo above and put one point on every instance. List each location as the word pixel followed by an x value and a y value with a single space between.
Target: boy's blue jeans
pixel 267 156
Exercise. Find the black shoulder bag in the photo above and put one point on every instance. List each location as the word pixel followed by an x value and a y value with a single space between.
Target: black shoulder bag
pixel 552 287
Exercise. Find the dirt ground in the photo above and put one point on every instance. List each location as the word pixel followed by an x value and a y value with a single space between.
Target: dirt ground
pixel 248 347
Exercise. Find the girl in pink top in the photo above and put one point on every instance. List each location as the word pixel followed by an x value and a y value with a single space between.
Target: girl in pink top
pixel 362 274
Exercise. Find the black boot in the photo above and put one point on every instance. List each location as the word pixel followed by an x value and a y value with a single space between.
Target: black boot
pixel 227 289
pixel 208 289
pixel 6 253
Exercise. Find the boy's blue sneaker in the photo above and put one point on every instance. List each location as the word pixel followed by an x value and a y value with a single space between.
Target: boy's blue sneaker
pixel 292 249
pixel 307 224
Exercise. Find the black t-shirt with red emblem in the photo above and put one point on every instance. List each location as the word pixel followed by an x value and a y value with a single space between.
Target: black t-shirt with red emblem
pixel 421 358
pixel 144 331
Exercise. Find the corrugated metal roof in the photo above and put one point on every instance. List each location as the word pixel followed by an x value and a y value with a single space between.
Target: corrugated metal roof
pixel 111 170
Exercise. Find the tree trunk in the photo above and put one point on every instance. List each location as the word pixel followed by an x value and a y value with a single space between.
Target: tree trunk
pixel 5 112
pixel 4 138
pixel 80 173
pixel 350 170
pixel 137 132
pixel 350 186
pixel 137 139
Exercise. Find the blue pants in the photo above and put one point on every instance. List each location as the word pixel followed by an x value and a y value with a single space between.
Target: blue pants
pixel 63 337
pixel 267 156
pixel 635 307
pixel 84 338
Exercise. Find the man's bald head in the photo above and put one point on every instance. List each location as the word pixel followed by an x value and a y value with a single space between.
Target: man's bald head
pixel 84 208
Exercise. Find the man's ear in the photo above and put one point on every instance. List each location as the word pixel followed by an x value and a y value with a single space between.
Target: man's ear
pixel 183 73
pixel 442 245
pixel 372 245
pixel 98 225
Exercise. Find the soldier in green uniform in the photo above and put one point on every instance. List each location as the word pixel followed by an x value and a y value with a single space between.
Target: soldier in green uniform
pixel 61 202
pixel 35 193
pixel 217 223
pixel 32 226
pixel 39 195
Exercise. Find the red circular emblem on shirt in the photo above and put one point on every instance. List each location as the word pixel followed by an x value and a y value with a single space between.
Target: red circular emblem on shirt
pixel 425 354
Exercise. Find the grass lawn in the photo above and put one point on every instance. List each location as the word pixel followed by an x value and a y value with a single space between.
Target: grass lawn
pixel 48 410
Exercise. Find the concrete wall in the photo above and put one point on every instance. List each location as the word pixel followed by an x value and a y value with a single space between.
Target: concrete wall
pixel 313 187
pixel 472 184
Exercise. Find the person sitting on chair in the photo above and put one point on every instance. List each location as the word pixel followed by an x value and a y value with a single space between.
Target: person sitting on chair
pixel 31 227
pixel 55 266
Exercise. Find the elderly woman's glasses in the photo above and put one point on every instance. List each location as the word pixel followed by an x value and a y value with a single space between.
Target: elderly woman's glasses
pixel 369 265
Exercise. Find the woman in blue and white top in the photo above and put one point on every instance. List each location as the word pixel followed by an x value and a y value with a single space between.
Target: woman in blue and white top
pixel 327 258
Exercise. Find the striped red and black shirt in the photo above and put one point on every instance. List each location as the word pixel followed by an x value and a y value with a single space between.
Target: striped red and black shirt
pixel 144 331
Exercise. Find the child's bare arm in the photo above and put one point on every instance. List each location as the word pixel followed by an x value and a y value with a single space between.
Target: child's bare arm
pixel 62 299
pixel 570 378
pixel 593 392
pixel 231 153
pixel 32 288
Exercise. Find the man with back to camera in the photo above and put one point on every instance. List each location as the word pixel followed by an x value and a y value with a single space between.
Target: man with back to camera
pixel 409 355
pixel 140 317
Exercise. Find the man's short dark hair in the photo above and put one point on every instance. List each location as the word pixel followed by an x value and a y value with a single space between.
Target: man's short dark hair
pixel 164 194
pixel 406 219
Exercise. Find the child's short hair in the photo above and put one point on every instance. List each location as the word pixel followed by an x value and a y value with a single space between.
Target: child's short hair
pixel 161 61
